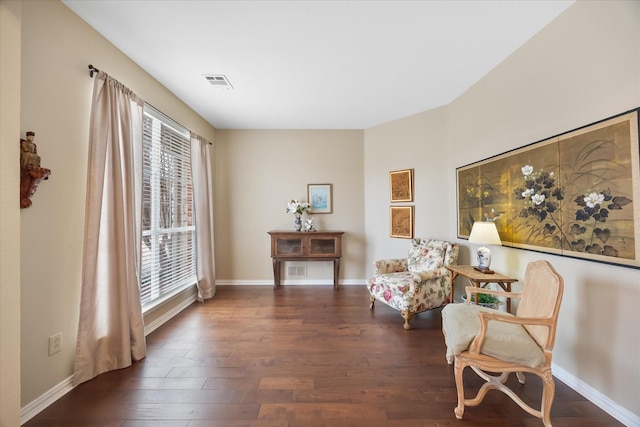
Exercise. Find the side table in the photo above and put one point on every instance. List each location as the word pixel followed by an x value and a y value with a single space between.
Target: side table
pixel 480 279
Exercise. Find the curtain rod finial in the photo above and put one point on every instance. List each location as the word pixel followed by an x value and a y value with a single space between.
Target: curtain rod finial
pixel 92 70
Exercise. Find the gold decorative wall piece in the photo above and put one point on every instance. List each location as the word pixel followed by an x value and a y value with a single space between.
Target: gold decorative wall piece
pixel 576 194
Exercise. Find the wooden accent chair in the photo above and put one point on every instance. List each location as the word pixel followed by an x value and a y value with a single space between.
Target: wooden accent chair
pixel 492 341
pixel 417 283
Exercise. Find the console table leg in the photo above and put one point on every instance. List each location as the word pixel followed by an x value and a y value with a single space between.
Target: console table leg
pixel 336 271
pixel 276 274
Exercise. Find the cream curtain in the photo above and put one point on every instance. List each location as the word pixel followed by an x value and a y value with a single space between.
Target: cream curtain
pixel 111 327
pixel 203 209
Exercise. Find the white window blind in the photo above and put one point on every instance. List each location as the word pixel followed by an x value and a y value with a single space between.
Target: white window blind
pixel 168 263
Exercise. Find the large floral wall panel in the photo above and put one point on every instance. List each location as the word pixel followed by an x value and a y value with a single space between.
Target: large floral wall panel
pixel 576 194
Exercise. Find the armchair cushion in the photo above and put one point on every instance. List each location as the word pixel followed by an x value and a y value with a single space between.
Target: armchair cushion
pixel 426 254
pixel 423 276
pixel 505 341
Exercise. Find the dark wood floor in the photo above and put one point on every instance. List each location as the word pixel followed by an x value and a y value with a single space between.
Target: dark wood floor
pixel 298 356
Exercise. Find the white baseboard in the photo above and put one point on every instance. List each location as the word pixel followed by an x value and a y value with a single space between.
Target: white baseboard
pixel 41 403
pixel 152 326
pixel 621 414
pixel 353 282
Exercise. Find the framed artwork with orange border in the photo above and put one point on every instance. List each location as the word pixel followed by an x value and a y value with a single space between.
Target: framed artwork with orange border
pixel 401 221
pixel 401 185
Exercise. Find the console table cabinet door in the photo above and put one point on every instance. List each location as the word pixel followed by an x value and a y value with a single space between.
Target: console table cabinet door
pixel 305 246
pixel 289 247
pixel 329 246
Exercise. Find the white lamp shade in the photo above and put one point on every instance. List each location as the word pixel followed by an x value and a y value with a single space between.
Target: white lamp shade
pixel 485 233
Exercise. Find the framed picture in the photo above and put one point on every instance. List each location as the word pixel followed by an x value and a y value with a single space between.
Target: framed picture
pixel 320 198
pixel 576 194
pixel 401 221
pixel 401 185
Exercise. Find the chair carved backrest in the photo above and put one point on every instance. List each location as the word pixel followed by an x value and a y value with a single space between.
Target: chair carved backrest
pixel 541 297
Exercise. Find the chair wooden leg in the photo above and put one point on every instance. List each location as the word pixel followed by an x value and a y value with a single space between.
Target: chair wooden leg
pixel 498 383
pixel 373 300
pixel 407 315
pixel 458 367
pixel 548 392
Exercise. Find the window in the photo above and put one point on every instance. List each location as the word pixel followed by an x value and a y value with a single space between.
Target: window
pixel 168 262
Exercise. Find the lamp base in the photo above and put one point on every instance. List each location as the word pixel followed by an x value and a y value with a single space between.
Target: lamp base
pixel 484 258
pixel 485 270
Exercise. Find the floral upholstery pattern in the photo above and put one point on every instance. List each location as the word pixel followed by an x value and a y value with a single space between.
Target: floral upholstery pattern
pixel 419 283
pixel 426 255
pixel 386 266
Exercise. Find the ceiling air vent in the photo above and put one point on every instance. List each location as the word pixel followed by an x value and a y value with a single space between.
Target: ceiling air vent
pixel 218 80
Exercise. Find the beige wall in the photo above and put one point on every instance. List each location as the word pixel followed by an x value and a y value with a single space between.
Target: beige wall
pixel 583 67
pixel 10 22
pixel 258 172
pixel 417 142
pixel 57 47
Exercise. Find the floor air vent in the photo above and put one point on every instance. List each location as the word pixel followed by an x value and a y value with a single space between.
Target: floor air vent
pixel 296 271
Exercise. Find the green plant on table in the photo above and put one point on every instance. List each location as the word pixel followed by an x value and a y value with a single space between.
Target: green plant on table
pixel 484 298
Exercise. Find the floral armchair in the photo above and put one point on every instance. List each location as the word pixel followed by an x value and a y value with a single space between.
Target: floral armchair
pixel 417 283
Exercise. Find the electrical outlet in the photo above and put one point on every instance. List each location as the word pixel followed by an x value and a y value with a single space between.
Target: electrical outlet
pixel 55 343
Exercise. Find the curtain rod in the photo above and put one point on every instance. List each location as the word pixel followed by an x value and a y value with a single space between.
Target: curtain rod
pixel 93 70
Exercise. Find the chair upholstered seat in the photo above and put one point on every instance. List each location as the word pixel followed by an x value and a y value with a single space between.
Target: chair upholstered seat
pixel 417 283
pixel 506 341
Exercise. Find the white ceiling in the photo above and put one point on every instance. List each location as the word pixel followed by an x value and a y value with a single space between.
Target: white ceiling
pixel 316 64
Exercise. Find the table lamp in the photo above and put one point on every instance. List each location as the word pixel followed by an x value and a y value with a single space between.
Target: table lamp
pixel 484 233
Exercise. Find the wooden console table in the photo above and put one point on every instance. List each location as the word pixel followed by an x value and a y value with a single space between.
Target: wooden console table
pixel 305 246
pixel 481 280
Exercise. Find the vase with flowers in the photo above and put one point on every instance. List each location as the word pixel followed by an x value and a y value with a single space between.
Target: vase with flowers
pixel 298 208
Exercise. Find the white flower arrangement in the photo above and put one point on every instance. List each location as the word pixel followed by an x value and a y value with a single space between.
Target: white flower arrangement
pixel 297 208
